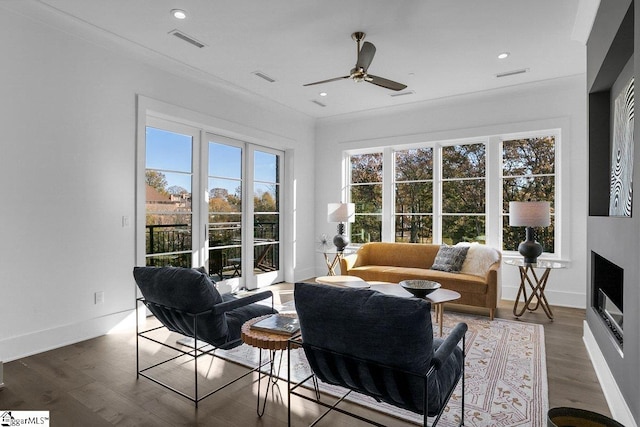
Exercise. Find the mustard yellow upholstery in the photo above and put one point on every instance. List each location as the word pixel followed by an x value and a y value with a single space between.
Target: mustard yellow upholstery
pixel 393 262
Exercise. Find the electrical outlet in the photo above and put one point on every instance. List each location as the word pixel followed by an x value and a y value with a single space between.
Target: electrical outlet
pixel 99 297
pixel 125 221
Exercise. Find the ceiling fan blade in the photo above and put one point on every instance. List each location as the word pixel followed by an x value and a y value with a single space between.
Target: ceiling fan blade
pixel 327 81
pixel 365 56
pixel 389 84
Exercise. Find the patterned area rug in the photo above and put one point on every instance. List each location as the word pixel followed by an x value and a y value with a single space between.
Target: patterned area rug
pixel 506 375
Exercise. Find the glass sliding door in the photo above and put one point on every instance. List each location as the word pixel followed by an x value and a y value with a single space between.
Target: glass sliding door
pixel 266 216
pixel 168 202
pixel 209 201
pixel 243 216
pixel 225 213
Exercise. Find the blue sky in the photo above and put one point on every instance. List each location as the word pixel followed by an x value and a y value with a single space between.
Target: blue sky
pixel 169 151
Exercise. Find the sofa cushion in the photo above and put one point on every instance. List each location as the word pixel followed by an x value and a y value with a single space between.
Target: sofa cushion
pixel 459 282
pixel 479 259
pixel 450 258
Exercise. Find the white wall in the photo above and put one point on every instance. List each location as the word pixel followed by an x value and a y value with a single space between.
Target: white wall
pixel 67 168
pixel 558 103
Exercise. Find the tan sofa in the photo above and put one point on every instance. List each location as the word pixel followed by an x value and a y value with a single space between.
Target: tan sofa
pixel 393 262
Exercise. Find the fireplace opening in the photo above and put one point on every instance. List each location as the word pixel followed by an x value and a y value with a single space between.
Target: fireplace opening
pixel 607 298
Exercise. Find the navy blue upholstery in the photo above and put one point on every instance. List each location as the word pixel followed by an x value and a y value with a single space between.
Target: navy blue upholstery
pixel 176 296
pixel 379 345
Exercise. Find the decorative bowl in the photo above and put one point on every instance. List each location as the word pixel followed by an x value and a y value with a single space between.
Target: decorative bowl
pixel 420 288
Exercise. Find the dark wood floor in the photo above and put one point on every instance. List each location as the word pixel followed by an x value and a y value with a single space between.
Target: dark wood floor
pixel 93 383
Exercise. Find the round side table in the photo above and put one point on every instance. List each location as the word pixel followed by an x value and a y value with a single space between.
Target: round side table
pixel 537 284
pixel 271 342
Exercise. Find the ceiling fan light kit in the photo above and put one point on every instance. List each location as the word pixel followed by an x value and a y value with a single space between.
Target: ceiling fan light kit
pixel 360 72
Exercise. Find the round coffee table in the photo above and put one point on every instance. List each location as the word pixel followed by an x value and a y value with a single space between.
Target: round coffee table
pixel 437 298
pixel 344 281
pixel 265 341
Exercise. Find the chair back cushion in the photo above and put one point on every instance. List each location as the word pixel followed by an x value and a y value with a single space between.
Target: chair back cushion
pixel 344 329
pixel 175 295
pixel 184 289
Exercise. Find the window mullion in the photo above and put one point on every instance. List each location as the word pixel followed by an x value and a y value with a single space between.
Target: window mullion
pixel 388 196
pixel 493 206
pixel 437 194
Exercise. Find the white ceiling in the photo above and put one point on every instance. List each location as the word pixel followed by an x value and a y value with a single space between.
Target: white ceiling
pixel 438 48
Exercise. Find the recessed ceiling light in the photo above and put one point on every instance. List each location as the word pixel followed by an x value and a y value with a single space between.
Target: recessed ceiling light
pixel 179 14
pixel 504 55
pixel 323 94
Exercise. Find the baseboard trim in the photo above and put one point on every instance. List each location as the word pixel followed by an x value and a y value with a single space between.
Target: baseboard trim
pixel 26 345
pixel 617 405
pixel 555 298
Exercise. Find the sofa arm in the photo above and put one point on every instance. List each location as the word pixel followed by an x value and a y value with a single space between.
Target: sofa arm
pixel 347 262
pixel 492 275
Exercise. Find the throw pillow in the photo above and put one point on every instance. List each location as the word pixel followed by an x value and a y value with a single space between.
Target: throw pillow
pixel 450 258
pixel 479 259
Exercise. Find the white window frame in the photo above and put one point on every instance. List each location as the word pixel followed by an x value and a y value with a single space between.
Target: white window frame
pixel 156 113
pixel 493 184
pixel 557 203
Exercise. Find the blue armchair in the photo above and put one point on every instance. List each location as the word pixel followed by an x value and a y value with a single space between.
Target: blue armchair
pixel 378 345
pixel 185 301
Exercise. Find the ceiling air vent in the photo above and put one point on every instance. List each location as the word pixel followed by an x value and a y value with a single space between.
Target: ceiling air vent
pixel 188 39
pixel 406 92
pixel 512 73
pixel 318 103
pixel 263 76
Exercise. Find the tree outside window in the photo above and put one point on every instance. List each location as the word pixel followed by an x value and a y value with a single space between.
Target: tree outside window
pixel 526 167
pixel 366 193
pixel 528 173
pixel 414 195
pixel 463 193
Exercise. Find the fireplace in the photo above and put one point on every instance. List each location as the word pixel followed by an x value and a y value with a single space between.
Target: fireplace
pixel 607 297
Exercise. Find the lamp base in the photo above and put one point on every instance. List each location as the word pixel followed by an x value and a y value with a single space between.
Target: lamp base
pixel 530 249
pixel 340 241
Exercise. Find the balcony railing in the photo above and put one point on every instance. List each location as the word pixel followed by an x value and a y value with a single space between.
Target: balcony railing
pixel 171 244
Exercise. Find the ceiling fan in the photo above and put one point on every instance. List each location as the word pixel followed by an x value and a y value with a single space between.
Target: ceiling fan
pixel 359 72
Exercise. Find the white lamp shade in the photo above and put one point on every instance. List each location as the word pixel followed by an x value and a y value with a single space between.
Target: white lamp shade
pixel 529 214
pixel 341 212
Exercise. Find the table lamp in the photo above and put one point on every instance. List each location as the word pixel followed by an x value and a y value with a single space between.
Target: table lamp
pixel 341 213
pixel 530 214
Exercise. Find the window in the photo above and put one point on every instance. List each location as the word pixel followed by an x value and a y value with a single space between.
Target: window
pixel 463 193
pixel 224 223
pixel 366 193
pixel 266 212
pixel 448 192
pixel 209 201
pixel 414 195
pixel 528 173
pixel 168 213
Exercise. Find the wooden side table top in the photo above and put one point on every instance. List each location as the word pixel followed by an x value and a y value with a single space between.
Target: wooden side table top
pixel 264 340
